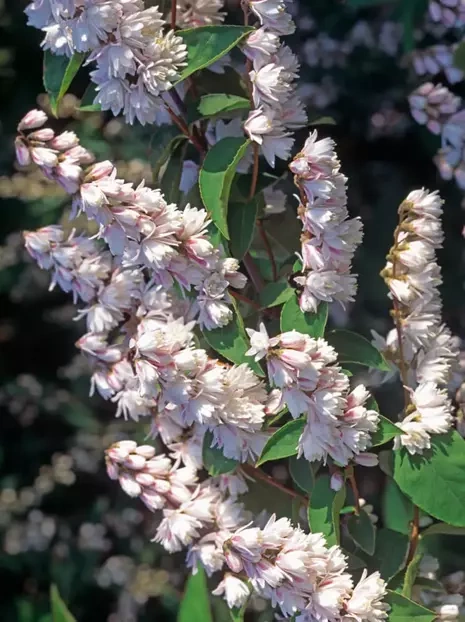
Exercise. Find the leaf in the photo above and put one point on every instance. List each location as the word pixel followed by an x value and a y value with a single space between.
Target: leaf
pixel 397 509
pixel 195 604
pixel 60 612
pixel 323 121
pixel 275 294
pixel 459 56
pixel 87 101
pixel 302 473
pixel 216 177
pixel 214 460
pixel 215 104
pixel 443 529
pixel 411 575
pixel 59 72
pixel 231 342
pixel 324 509
pixel 163 143
pixel 405 610
pixel 362 532
pixel 241 225
pixel 171 178
pixel 435 480
pixel 284 442
pixel 391 552
pixel 313 324
pixel 207 44
pixel 353 348
pixel 386 432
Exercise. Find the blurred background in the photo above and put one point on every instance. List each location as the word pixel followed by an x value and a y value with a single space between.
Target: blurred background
pixel 61 519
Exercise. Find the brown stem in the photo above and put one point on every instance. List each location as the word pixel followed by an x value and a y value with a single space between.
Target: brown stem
pixel 243 298
pixel 253 272
pixel 256 161
pixel 353 484
pixel 259 474
pixel 173 14
pixel 414 534
pixel 269 250
pixel 185 130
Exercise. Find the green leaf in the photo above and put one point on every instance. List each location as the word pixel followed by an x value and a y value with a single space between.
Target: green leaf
pixel 220 103
pixel 216 175
pixel 59 72
pixel 435 480
pixel 443 529
pixel 405 610
pixel 459 56
pixel 386 431
pixel 397 509
pixel 195 605
pixel 313 324
pixel 60 612
pixel 324 509
pixel 231 342
pixel 87 101
pixel 353 348
pixel 207 44
pixel 241 226
pixel 171 178
pixel 284 442
pixel 362 532
pixel 411 575
pixel 302 473
pixel 214 460
pixel 163 143
pixel 323 121
pixel 275 294
pixel 391 552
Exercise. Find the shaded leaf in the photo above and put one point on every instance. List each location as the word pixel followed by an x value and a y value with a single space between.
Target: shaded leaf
pixel 207 44
pixel 353 348
pixel 214 460
pixel 87 101
pixel 313 324
pixel 386 432
pixel 195 605
pixel 459 56
pixel 404 610
pixel 397 509
pixel 216 175
pixel 391 552
pixel 275 294
pixel 60 612
pixel 284 442
pixel 59 72
pixel 443 529
pixel 324 509
pixel 241 225
pixel 323 121
pixel 302 473
pixel 439 469
pixel 362 532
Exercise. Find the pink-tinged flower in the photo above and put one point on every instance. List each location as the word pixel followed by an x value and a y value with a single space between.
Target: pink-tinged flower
pixel 23 154
pixel 32 120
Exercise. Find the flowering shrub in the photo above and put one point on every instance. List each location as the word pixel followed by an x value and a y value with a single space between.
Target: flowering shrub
pixel 167 281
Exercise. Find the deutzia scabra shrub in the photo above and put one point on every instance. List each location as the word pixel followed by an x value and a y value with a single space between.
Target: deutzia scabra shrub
pixel 169 274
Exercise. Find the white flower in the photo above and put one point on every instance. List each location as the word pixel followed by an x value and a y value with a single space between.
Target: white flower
pixel 365 604
pixel 235 591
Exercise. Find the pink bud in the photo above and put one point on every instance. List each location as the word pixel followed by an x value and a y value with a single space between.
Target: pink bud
pixel 99 170
pixel 43 135
pixel 33 119
pixel 22 152
pixel 81 155
pixel 233 560
pixel 145 450
pixel 152 500
pixel 44 157
pixel 112 470
pixel 144 479
pixel 337 481
pixel 133 461
pixel 367 459
pixel 129 485
pixel 64 141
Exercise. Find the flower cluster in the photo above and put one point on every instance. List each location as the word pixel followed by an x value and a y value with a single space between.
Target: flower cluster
pixel 420 345
pixel 272 71
pixel 435 60
pixel 338 424
pixel 450 13
pixel 140 227
pixel 329 237
pixel 136 62
pixel 447 596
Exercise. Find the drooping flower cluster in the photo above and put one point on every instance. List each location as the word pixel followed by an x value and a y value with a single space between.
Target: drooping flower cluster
pixel 329 237
pixel 420 345
pixel 192 13
pixel 450 13
pixel 435 60
pixel 136 62
pixel 140 227
pixel 272 71
pixel 338 424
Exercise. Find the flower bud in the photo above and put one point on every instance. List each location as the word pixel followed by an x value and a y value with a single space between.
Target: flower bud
pixel 33 119
pixel 337 481
pixel 129 485
pixel 145 450
pixel 64 141
pixel 133 461
pixel 44 157
pixel 99 170
pixel 43 135
pixel 367 459
pixel 22 152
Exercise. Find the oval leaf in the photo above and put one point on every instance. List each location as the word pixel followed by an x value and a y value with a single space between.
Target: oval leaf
pixel 362 532
pixel 284 442
pixel 275 294
pixel 60 611
pixel 214 460
pixel 207 44
pixel 404 610
pixel 397 509
pixel 216 177
pixel 391 552
pixel 302 473
pixel 241 225
pixel 435 480
pixel 386 432
pixel 443 529
pixel 324 510
pixel 220 103
pixel 195 605
pixel 88 100
pixel 313 324
pixel 353 348
pixel 59 72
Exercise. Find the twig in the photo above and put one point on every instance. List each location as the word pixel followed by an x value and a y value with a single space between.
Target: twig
pixel 414 534
pixel 185 130
pixel 259 474
pixel 269 250
pixel 256 161
pixel 254 274
pixel 353 484
pixel 243 298
pixel 173 14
